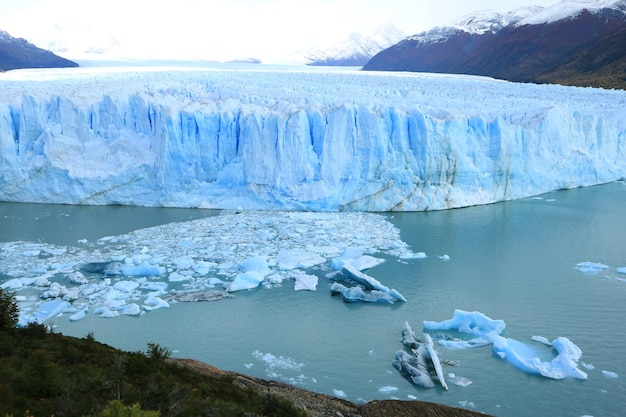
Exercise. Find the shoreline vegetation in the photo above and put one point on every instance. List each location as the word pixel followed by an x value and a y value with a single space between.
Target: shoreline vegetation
pixel 43 373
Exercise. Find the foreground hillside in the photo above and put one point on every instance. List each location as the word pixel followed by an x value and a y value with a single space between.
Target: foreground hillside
pixel 44 374
pixel 570 43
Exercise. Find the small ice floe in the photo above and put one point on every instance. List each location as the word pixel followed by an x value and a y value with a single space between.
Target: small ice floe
pixel 461 381
pixel 387 389
pixel 609 374
pixel 591 267
pixel 444 257
pixel 416 255
pixel 339 393
pixel 422 366
pixel 541 339
pixel 467 404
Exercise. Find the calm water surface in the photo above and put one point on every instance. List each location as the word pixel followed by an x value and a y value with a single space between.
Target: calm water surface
pixel 514 261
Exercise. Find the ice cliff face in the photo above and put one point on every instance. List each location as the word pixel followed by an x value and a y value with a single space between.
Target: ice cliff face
pixel 311 140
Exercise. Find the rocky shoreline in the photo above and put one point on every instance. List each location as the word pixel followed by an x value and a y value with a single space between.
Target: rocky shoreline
pixel 321 405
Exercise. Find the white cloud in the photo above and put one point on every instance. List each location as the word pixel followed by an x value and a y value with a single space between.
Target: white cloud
pixel 221 29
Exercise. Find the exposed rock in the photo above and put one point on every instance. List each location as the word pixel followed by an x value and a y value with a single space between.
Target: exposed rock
pixel 186 297
pixel 321 405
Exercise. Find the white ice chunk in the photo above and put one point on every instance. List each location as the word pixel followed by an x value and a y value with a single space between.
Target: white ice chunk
pixel 152 303
pixel 78 278
pixel 522 356
pixel 591 267
pixel 339 393
pixel 304 281
pixel 256 263
pixel 349 253
pixel 106 313
pixel 295 258
pixel 474 323
pixel 609 374
pixel 78 315
pixel 541 339
pixel 177 277
pixel 157 286
pixel 247 281
pixel 143 269
pixel 365 262
pixel 184 262
pixel 50 309
pixel 430 347
pixel 131 310
pixel 412 255
pixel 388 389
pixel 203 267
pixel 12 284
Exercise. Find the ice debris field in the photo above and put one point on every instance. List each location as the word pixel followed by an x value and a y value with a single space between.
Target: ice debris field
pixel 202 260
pixel 295 139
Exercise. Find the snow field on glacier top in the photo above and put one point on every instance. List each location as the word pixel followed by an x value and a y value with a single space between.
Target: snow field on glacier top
pixel 290 89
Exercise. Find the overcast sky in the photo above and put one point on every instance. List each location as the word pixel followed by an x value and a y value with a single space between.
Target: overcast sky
pixel 228 29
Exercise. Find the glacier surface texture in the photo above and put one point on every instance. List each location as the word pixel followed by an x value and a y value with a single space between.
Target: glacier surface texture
pixel 299 139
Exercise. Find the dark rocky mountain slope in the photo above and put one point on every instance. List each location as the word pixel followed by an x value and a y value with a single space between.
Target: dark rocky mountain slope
pixel 585 48
pixel 18 53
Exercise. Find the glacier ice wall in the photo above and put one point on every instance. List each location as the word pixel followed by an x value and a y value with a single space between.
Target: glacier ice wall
pixel 299 140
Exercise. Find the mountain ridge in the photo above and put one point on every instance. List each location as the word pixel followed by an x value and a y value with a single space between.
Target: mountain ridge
pixel 562 44
pixel 16 53
pixel 357 49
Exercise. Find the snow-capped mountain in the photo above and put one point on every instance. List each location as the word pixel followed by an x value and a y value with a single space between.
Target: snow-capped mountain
pixel 573 42
pixel 357 49
pixel 18 53
pixel 477 23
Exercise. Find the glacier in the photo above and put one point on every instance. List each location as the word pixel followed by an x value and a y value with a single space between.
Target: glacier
pixel 286 138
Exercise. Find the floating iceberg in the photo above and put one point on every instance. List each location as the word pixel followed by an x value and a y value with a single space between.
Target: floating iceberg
pixel 299 140
pixel 474 323
pixel 366 288
pixel 521 355
pixel 422 367
pixel 564 365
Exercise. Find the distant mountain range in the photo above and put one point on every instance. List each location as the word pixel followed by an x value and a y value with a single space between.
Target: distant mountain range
pixel 18 53
pixel 575 42
pixel 358 49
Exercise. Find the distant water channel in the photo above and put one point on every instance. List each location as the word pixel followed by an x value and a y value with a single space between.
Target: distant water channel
pixel 514 261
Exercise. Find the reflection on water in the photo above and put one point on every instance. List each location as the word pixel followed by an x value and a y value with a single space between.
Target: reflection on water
pixel 513 261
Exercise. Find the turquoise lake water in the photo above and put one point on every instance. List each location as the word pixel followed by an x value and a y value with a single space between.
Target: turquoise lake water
pixel 515 261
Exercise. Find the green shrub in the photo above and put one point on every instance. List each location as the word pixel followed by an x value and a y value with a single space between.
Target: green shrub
pixel 9 312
